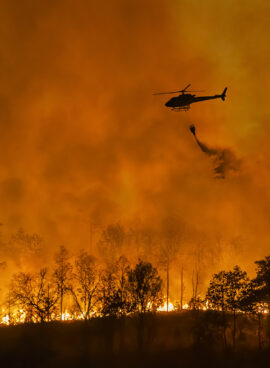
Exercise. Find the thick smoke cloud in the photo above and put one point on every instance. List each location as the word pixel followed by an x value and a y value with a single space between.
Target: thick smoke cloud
pixel 83 140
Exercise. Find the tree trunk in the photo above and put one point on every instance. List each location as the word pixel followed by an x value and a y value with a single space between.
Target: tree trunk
pixel 9 309
pixel 182 287
pixel 168 284
pixel 195 282
pixel 61 305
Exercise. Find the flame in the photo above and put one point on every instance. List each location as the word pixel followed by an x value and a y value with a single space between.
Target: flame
pixel 19 316
pixel 163 308
pixel 66 316
pixel 5 320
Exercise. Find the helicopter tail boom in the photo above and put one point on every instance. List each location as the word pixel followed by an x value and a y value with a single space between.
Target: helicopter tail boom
pixel 224 94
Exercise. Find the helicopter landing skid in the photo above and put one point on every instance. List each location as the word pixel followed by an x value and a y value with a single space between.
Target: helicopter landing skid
pixel 183 108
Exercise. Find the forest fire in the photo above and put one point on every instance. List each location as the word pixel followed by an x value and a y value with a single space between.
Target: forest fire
pixel 19 316
pixel 126 232
pixel 84 289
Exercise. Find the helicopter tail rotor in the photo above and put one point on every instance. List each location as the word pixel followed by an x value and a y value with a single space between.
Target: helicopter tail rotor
pixel 223 96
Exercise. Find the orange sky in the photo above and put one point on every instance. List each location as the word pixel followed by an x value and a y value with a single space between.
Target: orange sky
pixel 83 138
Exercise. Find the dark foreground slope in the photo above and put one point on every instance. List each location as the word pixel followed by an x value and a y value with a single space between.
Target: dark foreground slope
pixel 187 339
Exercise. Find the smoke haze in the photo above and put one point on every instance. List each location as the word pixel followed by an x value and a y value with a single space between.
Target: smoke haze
pixel 83 140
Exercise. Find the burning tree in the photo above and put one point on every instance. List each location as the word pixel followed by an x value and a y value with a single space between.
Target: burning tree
pixel 171 236
pixel 226 289
pixel 226 293
pixel 262 281
pixel 122 273
pixel 62 275
pixel 108 293
pixel 35 295
pixel 256 300
pixel 252 303
pixel 196 303
pixel 115 298
pixel 86 283
pixel 145 285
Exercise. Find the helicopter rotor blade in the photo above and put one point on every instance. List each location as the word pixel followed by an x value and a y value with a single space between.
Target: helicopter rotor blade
pixel 165 93
pixel 180 91
pixel 168 93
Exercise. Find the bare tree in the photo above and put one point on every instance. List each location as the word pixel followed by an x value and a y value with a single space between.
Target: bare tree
pixel 182 287
pixel 122 271
pixel 198 258
pixel 62 275
pixel 108 292
pixel 171 236
pixel 86 283
pixel 35 294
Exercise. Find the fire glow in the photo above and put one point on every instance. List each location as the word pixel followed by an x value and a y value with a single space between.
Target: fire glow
pixel 19 316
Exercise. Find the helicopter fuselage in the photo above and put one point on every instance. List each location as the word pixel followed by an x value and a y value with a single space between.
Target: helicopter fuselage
pixel 185 99
pixel 182 102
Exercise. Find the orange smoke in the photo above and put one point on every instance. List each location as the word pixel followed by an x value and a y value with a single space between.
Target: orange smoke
pixel 83 141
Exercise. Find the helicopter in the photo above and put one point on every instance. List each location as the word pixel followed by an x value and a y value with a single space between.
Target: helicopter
pixel 184 100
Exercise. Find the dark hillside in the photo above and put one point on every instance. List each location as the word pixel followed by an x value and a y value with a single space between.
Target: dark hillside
pixel 187 339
